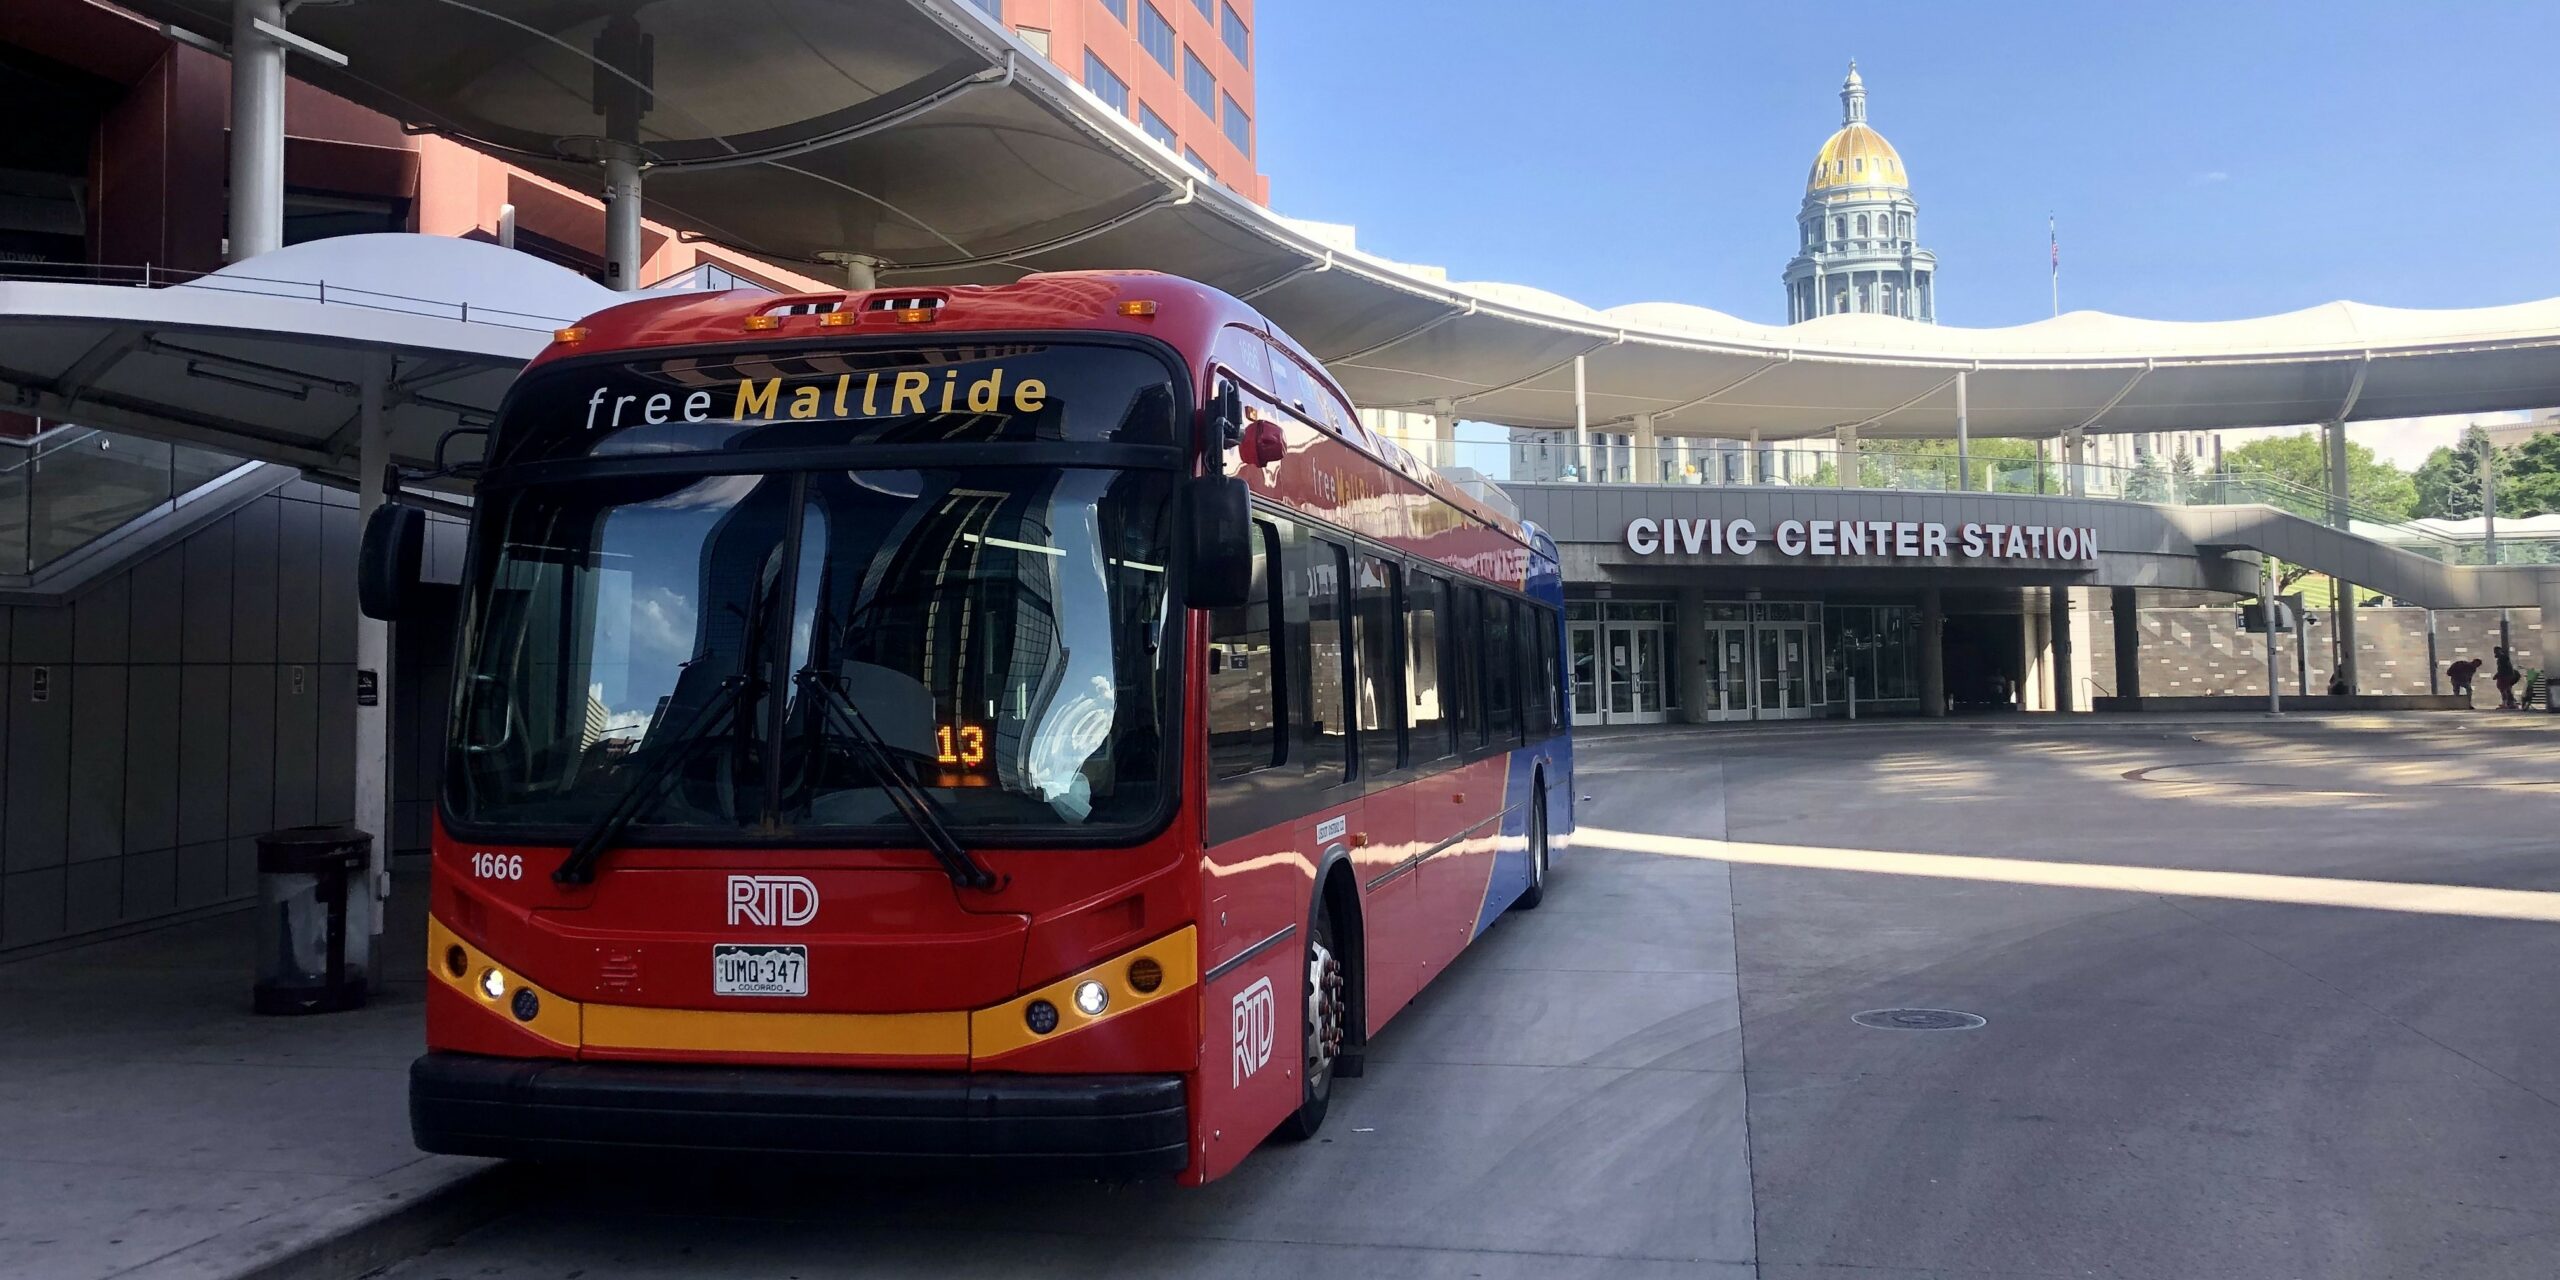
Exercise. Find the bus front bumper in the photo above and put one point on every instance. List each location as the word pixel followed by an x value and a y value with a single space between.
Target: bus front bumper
pixel 1121 1126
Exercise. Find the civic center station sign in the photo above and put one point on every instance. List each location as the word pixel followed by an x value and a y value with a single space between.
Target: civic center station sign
pixel 1887 539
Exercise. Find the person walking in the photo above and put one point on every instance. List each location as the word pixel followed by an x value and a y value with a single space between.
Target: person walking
pixel 2506 678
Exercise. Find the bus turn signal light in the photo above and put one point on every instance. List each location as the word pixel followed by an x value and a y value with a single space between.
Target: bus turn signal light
pixel 1145 975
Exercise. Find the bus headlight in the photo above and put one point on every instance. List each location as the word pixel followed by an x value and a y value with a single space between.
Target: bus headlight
pixel 1092 998
pixel 493 984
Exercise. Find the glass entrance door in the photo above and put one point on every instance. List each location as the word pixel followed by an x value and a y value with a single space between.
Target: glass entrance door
pixel 1634 671
pixel 1584 639
pixel 1728 691
pixel 1784 664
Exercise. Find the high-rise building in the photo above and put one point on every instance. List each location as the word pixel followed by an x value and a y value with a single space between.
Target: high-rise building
pixel 1182 69
pixel 1860 251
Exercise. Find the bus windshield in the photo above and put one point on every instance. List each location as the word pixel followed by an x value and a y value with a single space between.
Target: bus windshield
pixel 1002 629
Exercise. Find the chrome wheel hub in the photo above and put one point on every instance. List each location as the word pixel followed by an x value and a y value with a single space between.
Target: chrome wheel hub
pixel 1324 1013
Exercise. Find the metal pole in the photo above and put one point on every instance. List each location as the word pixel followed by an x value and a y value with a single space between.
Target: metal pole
pixel 506 226
pixel 2267 616
pixel 621 220
pixel 2301 653
pixel 373 639
pixel 257 130
pixel 1964 441
pixel 2434 677
pixel 1581 423
pixel 1853 695
pixel 2345 609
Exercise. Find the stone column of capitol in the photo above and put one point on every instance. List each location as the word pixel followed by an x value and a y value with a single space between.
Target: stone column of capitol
pixel 1859 251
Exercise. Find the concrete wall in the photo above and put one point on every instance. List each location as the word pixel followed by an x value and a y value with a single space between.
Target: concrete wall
pixel 2189 652
pixel 174 710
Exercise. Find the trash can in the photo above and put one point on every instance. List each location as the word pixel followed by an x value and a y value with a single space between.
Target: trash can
pixel 315 919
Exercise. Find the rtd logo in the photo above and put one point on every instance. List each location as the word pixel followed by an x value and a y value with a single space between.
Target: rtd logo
pixel 789 901
pixel 1256 1020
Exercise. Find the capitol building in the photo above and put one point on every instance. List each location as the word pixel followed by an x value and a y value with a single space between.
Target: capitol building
pixel 1859 249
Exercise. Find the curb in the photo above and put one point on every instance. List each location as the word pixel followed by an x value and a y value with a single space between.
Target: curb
pixel 373 1225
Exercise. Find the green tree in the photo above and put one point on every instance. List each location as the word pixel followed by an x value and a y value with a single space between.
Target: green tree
pixel 2448 482
pixel 2182 473
pixel 2529 477
pixel 1921 462
pixel 2147 483
pixel 2377 488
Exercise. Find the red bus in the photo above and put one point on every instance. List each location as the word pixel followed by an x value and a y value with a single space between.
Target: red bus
pixel 1033 722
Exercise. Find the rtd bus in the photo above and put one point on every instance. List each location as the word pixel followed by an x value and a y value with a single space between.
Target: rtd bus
pixel 1033 722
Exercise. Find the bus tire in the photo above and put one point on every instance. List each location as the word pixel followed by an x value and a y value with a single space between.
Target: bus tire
pixel 1324 1016
pixel 1537 891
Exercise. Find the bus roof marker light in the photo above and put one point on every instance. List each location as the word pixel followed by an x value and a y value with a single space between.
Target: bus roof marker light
pixel 1092 998
pixel 758 324
pixel 834 319
pixel 1138 307
pixel 913 315
pixel 573 333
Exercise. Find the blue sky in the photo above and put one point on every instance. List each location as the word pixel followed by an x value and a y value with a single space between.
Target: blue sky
pixel 2205 161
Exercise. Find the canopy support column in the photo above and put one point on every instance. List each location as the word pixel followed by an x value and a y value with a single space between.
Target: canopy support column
pixel 257 130
pixel 1751 469
pixel 1845 468
pixel 1444 433
pixel 622 219
pixel 373 638
pixel 1964 440
pixel 1581 423
pixel 2075 481
pixel 2344 608
pixel 2061 642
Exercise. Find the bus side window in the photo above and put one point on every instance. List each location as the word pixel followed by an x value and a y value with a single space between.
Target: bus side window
pixel 1246 724
pixel 1465 678
pixel 1327 660
pixel 1543 677
pixel 1374 635
pixel 1426 601
pixel 1501 672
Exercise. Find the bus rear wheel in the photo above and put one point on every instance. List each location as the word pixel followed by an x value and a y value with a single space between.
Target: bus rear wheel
pixel 1325 1022
pixel 1537 891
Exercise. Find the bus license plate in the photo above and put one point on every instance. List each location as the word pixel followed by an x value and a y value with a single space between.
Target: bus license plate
pixel 741 970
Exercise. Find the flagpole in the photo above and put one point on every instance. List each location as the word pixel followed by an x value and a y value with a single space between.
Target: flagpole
pixel 2055 241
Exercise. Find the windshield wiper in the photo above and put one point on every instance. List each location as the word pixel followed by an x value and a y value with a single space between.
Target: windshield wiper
pixel 904 795
pixel 580 867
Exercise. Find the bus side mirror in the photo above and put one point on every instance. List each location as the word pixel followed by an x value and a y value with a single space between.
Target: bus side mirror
pixel 1215 516
pixel 390 560
pixel 1226 419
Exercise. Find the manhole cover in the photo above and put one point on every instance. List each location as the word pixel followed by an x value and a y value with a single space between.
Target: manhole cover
pixel 1917 1020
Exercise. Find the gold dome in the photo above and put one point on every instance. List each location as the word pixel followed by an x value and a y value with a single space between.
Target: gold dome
pixel 1856 156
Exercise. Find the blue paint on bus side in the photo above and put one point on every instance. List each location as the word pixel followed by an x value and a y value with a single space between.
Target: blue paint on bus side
pixel 1551 759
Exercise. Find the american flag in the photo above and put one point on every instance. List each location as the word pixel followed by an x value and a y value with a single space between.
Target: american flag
pixel 2055 241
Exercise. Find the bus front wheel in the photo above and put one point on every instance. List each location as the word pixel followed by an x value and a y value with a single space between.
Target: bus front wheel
pixel 1324 1020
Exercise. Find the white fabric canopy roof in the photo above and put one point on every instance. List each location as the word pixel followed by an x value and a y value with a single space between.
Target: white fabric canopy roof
pixel 921 132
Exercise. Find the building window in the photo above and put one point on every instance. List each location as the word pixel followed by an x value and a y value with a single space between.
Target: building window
pixel 992 8
pixel 1206 7
pixel 1839 228
pixel 1036 38
pixel 1155 34
pixel 1119 9
pixel 1231 30
pixel 1155 126
pixel 1197 84
pixel 1106 86
pixel 1193 158
pixel 1862 226
pixel 1238 125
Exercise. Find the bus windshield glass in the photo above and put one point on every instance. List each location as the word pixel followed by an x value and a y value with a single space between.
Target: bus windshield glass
pixel 1000 628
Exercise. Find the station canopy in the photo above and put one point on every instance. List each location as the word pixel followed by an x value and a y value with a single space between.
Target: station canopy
pixel 270 358
pixel 923 134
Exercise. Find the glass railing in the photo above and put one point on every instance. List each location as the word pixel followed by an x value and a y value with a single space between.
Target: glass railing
pixel 70 486
pixel 1729 463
